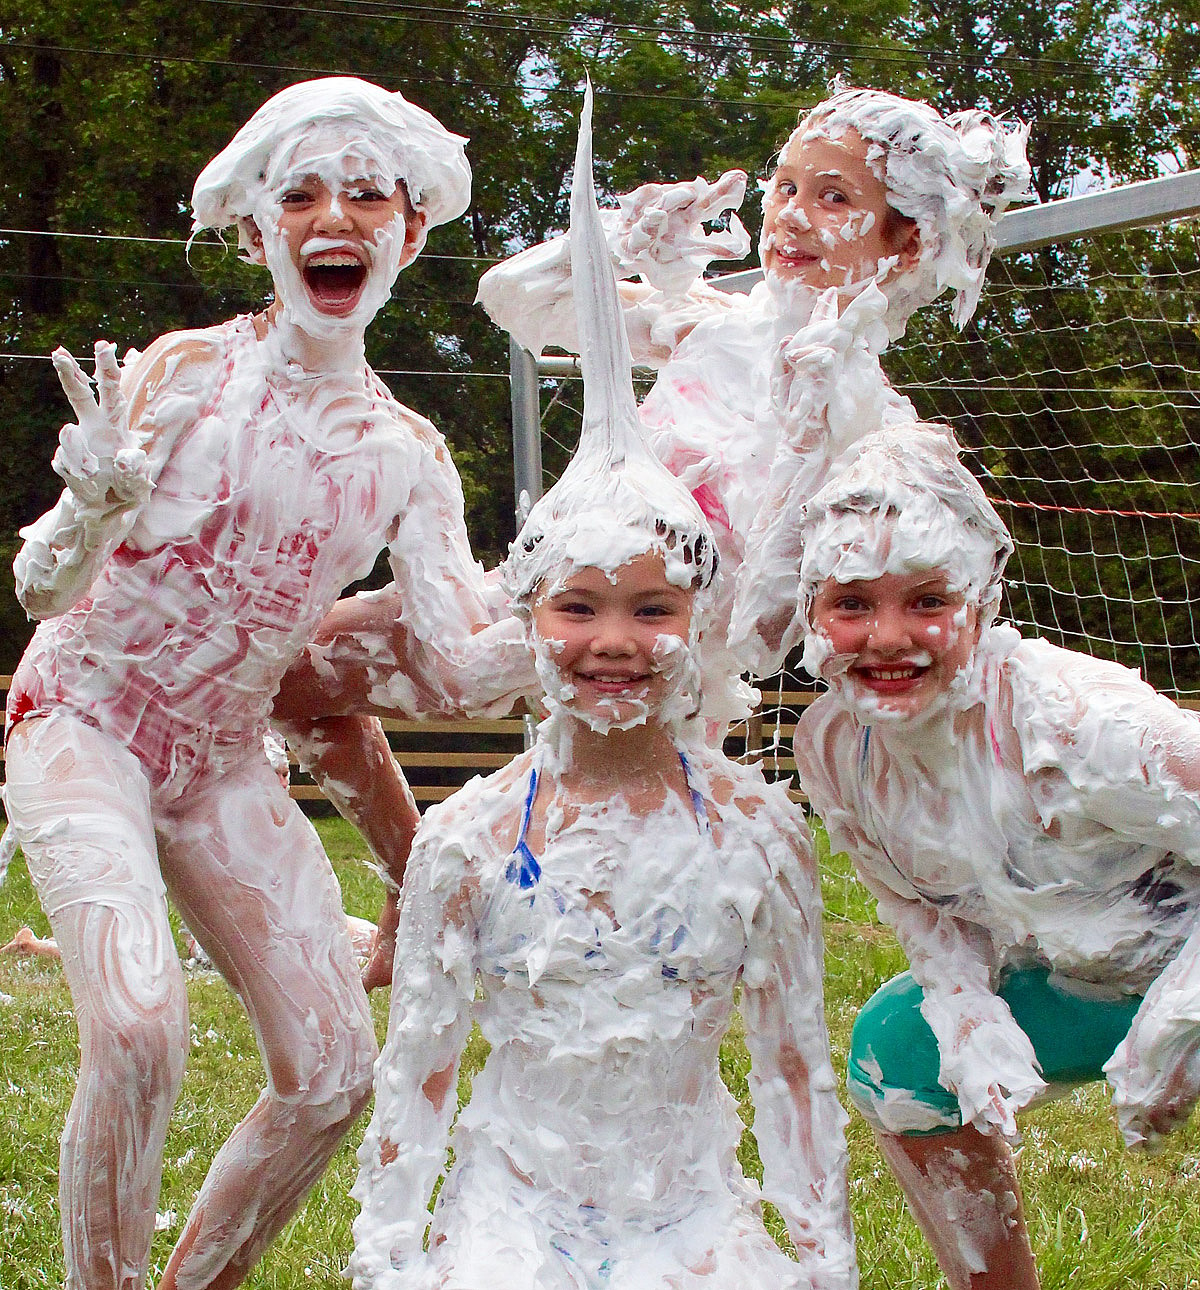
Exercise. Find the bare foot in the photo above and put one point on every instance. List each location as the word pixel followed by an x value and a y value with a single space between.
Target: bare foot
pixel 25 942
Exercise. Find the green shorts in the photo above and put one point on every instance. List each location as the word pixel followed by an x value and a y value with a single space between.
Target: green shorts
pixel 894 1060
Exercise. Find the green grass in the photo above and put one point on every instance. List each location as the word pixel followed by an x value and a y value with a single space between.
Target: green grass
pixel 1101 1218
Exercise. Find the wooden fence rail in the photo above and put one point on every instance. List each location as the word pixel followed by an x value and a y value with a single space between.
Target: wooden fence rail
pixel 439 756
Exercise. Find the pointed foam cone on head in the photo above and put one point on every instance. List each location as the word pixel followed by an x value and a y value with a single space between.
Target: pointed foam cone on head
pixel 615 500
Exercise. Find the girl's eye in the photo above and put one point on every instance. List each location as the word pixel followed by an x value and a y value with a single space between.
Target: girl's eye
pixel 835 195
pixel 575 608
pixel 295 197
pixel 931 602
pixel 654 611
pixel 850 605
pixel 367 195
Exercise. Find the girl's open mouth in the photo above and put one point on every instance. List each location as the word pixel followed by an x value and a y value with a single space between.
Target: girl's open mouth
pixel 335 280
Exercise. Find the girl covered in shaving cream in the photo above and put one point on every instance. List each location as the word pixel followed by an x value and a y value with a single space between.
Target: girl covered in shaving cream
pixel 220 492
pixel 1028 819
pixel 608 890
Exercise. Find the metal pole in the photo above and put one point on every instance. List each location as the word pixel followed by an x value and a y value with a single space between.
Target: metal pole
pixel 526 428
pixel 527 455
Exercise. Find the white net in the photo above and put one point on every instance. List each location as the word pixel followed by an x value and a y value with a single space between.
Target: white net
pixel 1076 391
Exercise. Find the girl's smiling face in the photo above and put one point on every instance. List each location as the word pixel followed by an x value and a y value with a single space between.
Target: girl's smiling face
pixel 896 641
pixel 332 236
pixel 826 219
pixel 605 637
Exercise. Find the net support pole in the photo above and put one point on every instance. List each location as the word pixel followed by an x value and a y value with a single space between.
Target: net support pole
pixel 527 453
pixel 526 429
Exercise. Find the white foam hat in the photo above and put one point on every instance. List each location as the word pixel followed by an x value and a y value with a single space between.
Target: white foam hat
pixel 419 150
pixel 905 502
pixel 615 500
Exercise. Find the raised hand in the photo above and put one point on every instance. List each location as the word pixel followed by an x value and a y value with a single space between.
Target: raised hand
pixel 662 234
pixel 97 456
pixel 827 387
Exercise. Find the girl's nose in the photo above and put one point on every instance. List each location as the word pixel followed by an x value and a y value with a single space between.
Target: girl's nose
pixel 332 214
pixel 890 630
pixel 613 637
pixel 795 216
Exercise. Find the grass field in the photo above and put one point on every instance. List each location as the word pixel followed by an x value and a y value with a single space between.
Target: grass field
pixel 1102 1219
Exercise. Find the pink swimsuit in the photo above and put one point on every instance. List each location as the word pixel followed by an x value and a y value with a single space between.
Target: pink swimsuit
pixel 256 524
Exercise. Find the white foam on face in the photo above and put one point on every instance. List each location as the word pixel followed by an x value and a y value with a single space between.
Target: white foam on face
pixel 903 505
pixel 336 157
pixel 953 176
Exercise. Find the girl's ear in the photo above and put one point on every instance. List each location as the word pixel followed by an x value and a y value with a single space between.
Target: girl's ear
pixel 908 246
pixel 414 235
pixel 252 241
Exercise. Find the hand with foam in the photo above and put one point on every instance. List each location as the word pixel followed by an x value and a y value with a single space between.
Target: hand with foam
pixel 1155 1070
pixel 987 1059
pixel 827 387
pixel 97 457
pixel 662 237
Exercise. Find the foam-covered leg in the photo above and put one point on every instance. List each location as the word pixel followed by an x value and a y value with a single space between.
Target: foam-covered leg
pixel 248 873
pixel 962 1189
pixel 80 805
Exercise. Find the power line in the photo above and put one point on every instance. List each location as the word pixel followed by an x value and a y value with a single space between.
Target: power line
pixel 83 359
pixel 183 241
pixel 540 24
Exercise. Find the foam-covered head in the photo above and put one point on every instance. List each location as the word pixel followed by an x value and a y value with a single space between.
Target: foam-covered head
pixel 355 126
pixel 615 501
pixel 953 176
pixel 905 503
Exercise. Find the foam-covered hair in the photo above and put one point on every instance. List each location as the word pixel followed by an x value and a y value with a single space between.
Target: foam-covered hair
pixel 414 145
pixel 615 500
pixel 906 503
pixel 952 175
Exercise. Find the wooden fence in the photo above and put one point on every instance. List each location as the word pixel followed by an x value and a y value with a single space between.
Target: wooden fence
pixel 439 756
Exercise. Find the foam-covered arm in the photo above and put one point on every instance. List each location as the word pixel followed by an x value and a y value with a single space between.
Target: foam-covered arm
pixel 798 1121
pixel 1155 1071
pixel 827 392
pixel 656 234
pixel 108 477
pixel 460 660
pixel 416 1077
pixel 987 1060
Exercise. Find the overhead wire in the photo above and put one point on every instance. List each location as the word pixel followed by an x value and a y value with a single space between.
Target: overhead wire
pixel 514 21
pixel 183 241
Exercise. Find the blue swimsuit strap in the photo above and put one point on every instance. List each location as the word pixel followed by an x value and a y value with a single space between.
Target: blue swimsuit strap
pixel 523 867
pixel 697 798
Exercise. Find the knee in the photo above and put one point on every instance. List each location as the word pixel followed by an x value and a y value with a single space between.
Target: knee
pixel 333 1078
pixel 142 1055
pixel 892 1070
